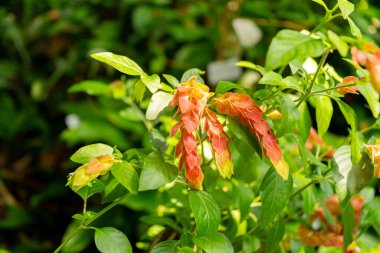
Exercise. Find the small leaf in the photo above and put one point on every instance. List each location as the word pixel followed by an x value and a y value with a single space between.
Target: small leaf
pixel 160 100
pixel 372 97
pixel 322 4
pixel 86 153
pixel 250 65
pixel 96 186
pixel 119 62
pixel 163 221
pixel 193 72
pixel 275 235
pixel 324 112
pixel 171 80
pixel 126 175
pixel 214 243
pixel 290 82
pixel 156 172
pixel 165 247
pixel 301 147
pixel 271 78
pixel 111 240
pixel 354 29
pixel 304 125
pixel 139 90
pixel 346 8
pixel 289 45
pixel 275 193
pixel 153 82
pixel 339 44
pixel 348 221
pixel 290 115
pixel 80 241
pixel 206 212
pixel 224 86
pixel 90 87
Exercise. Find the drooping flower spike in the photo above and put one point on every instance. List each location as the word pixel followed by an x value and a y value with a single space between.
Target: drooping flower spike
pixel 242 106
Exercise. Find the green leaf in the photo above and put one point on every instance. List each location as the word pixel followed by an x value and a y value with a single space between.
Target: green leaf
pixel 153 82
pixel 290 115
pixel 250 65
pixel 289 45
pixel 304 125
pixel 193 72
pixel 160 100
pixel 271 78
pixel 301 147
pixel 111 240
pixel 119 62
pixel 324 111
pixel 159 220
pixel 214 243
pixel 206 212
pixel 158 141
pixel 244 197
pixel 309 199
pixel 346 8
pixel 86 153
pixel 339 44
pixel 171 80
pixel 224 86
pixel 348 221
pixel 275 193
pixel 126 175
pixel 372 97
pixel 290 82
pixel 91 87
pixel 156 172
pixel 275 235
pixel 350 178
pixel 96 186
pixel 350 116
pixel 165 247
pixel 354 29
pixel 320 2
pixel 251 243
pixel 80 241
pixel 139 90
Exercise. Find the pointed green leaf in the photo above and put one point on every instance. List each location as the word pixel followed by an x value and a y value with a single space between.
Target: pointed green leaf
pixel 91 87
pixel 346 8
pixel 290 115
pixel 372 97
pixel 156 172
pixel 338 43
pixel 153 82
pixel 119 62
pixel 271 78
pixel 80 241
pixel 86 153
pixel 275 193
pixel 320 2
pixel 348 221
pixel 111 240
pixel 160 100
pixel 244 197
pixel 126 175
pixel 224 86
pixel 165 247
pixel 304 124
pixel 324 112
pixel 354 29
pixel 193 72
pixel 214 243
pixel 171 80
pixel 206 212
pixel 139 90
pixel 96 186
pixel 275 235
pixel 289 45
pixel 301 147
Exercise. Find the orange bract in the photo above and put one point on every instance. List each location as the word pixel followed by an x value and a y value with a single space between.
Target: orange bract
pixel 349 89
pixel 241 106
pixel 374 153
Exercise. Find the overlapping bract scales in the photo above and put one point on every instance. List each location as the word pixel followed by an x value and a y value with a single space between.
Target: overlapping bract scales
pixel 241 106
pixel 191 99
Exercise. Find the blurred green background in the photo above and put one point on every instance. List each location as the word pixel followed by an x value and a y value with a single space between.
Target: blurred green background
pixel 45 48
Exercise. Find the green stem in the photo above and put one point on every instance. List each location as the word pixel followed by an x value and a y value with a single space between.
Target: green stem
pixel 309 184
pixel 333 88
pixel 92 219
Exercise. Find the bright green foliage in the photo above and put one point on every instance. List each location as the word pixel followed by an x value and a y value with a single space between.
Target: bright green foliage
pixel 111 240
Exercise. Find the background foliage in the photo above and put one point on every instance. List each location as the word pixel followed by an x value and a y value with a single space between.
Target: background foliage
pixel 45 50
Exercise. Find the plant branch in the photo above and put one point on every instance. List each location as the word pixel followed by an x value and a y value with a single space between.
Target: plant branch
pixel 309 184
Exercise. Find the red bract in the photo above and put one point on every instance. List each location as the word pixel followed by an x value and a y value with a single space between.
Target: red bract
pixel 219 143
pixel 191 99
pixel 241 106
pixel 315 140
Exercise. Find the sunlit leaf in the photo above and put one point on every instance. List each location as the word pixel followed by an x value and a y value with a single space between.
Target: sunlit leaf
pixel 159 101
pixel 271 78
pixel 224 86
pixel 372 97
pixel 324 112
pixel 111 240
pixel 139 90
pixel 84 154
pixel 126 175
pixel 339 44
pixel 119 62
pixel 152 82
pixel 322 4
pixel 91 87
pixel 171 80
pixel 354 29
pixel 214 243
pixel 346 8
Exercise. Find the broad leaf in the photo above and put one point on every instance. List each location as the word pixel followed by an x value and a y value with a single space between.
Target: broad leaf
pixel 289 45
pixel 193 72
pixel 275 235
pixel 171 80
pixel 271 78
pixel 206 212
pixel 96 186
pixel 348 221
pixel 152 82
pixel 224 86
pixel 275 193
pixel 165 247
pixel 80 241
pixel 354 29
pixel 126 175
pixel 111 240
pixel 91 87
pixel 339 44
pixel 156 172
pixel 372 97
pixel 86 153
pixel 158 141
pixel 160 100
pixel 346 8
pixel 290 115
pixel 119 62
pixel 324 112
pixel 214 243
